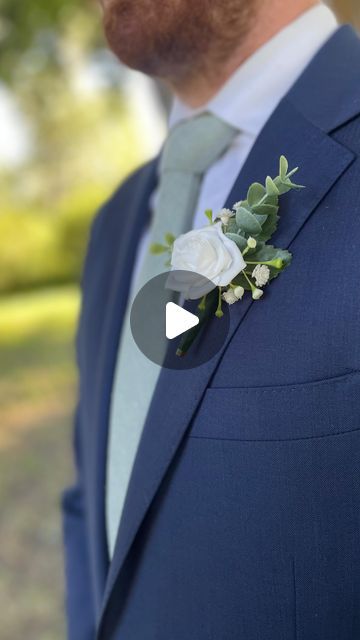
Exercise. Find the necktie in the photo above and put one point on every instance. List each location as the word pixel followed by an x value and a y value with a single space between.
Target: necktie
pixel 191 148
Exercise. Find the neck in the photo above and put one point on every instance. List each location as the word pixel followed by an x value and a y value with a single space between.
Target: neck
pixel 197 89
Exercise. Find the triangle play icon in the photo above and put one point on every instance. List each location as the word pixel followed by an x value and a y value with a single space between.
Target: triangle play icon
pixel 178 320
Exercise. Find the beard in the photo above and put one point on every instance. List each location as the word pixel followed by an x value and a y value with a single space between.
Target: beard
pixel 175 39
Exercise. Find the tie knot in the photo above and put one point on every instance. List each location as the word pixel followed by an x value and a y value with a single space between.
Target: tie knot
pixel 194 145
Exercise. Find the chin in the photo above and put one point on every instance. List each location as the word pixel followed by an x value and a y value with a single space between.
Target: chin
pixel 150 37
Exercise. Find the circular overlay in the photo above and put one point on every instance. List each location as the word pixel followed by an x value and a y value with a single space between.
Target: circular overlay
pixel 152 318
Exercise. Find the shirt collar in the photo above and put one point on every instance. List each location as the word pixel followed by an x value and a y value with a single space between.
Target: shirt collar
pixel 254 90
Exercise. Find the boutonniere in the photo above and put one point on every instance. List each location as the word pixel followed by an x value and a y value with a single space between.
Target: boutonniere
pixel 231 254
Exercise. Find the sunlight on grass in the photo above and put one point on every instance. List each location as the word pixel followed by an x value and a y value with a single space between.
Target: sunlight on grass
pixel 37 362
pixel 27 314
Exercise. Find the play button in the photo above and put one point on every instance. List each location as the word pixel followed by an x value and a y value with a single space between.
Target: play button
pixel 178 320
pixel 160 325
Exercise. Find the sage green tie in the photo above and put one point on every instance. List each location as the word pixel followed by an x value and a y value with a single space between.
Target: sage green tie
pixel 191 148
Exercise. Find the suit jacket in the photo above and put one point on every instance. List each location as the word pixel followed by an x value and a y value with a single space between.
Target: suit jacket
pixel 242 518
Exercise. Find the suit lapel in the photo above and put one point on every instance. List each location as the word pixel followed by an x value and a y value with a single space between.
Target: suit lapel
pixel 132 214
pixel 179 393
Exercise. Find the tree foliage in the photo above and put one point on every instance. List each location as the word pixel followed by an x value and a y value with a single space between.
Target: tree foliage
pixel 31 33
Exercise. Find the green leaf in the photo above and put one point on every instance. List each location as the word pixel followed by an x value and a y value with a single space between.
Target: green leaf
pixel 232 226
pixel 269 227
pixel 269 252
pixel 242 281
pixel 281 185
pixel 260 218
pixel 271 188
pixel 247 222
pixel 240 241
pixel 291 173
pixel 273 200
pixel 293 185
pixel 266 253
pixel 255 193
pixel 170 238
pixel 209 215
pixel 283 168
pixel 266 209
pixel 156 248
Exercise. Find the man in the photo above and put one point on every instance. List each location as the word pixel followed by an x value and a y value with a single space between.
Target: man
pixel 223 501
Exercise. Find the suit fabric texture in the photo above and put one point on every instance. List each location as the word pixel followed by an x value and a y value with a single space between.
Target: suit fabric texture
pixel 242 517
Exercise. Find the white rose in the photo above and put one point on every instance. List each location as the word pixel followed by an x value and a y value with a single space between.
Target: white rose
pixel 209 253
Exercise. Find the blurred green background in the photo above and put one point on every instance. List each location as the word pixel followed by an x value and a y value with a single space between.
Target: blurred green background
pixel 73 123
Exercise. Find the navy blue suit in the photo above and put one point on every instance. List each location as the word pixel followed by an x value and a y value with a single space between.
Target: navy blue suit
pixel 242 519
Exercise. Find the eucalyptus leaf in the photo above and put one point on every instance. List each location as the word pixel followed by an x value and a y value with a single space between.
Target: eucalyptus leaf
pixel 247 222
pixel 240 241
pixel 283 187
pixel 291 173
pixel 283 167
pixel 293 185
pixel 271 188
pixel 269 252
pixel 232 226
pixel 266 209
pixel 260 218
pixel 274 200
pixel 286 185
pixel 268 228
pixel 255 193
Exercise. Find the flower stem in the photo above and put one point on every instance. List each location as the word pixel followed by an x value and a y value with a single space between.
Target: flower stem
pixel 202 303
pixel 277 263
pixel 219 312
pixel 205 315
pixel 249 281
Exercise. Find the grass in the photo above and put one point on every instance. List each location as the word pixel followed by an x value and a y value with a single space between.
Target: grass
pixel 37 394
pixel 36 356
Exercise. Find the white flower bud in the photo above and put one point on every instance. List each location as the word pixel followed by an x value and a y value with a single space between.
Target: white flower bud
pixel 229 296
pixel 261 274
pixel 225 215
pixel 251 242
pixel 257 293
pixel 239 292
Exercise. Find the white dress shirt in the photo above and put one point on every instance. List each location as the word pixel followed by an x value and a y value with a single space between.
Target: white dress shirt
pixel 247 101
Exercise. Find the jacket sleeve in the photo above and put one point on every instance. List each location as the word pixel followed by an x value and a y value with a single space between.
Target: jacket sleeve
pixel 80 610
